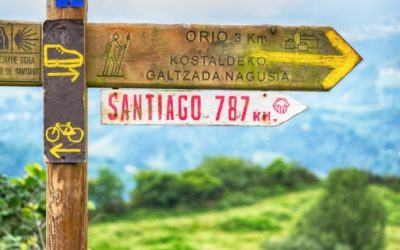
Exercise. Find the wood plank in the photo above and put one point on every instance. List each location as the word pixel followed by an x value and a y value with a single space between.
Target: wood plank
pixel 20 53
pixel 64 91
pixel 197 107
pixel 66 213
pixel 66 189
pixel 208 57
pixel 217 57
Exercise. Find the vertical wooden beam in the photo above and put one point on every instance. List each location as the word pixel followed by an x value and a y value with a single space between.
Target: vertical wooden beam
pixel 66 193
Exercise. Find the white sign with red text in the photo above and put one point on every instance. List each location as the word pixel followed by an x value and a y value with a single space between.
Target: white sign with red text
pixel 197 107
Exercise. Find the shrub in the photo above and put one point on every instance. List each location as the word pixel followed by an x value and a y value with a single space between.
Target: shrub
pixel 301 242
pixel 106 192
pixel 23 210
pixel 348 212
pixel 348 216
pixel 235 174
pixel 157 189
pixel 289 174
pixel 200 186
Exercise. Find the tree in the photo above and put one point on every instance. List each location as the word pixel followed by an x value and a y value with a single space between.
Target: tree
pixel 201 187
pixel 234 173
pixel 349 213
pixel 290 174
pixel 106 191
pixel 157 189
pixel 23 210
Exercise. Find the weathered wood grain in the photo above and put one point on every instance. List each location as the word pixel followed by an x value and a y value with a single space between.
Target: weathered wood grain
pixel 66 190
pixel 66 197
pixel 217 57
pixel 20 53
pixel 262 57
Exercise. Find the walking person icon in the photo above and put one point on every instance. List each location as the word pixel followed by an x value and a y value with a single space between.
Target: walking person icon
pixel 3 39
pixel 115 53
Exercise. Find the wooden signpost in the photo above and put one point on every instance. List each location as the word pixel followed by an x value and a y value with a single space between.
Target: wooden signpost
pixel 20 53
pixel 218 57
pixel 65 133
pixel 234 59
pixel 214 57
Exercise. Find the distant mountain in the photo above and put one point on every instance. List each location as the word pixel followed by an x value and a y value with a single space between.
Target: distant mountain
pixel 319 139
pixel 357 124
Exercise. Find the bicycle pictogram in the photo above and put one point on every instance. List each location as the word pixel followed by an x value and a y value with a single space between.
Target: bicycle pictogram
pixel 73 134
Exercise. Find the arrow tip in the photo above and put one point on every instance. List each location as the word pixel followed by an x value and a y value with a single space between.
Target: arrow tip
pixel 54 150
pixel 75 74
pixel 350 56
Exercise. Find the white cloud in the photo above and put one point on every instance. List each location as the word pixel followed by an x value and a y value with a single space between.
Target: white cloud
pixel 388 78
pixel 26 10
pixel 130 169
pixel 183 10
pixel 385 26
pixel 104 147
pixel 388 86
pixel 157 161
pixel 305 126
pixel 263 157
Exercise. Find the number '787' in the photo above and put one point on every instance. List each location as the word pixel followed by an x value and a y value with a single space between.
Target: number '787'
pixel 232 107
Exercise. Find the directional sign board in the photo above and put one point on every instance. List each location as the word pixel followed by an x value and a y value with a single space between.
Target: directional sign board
pixel 20 53
pixel 191 56
pixel 217 57
pixel 64 85
pixel 197 107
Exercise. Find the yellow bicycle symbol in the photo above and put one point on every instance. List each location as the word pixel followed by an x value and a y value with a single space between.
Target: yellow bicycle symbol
pixel 74 134
pixel 76 61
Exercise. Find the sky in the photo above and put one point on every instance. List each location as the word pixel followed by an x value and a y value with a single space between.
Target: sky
pixel 357 21
pixel 364 24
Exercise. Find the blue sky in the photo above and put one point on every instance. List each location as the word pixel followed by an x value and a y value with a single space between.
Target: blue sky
pixel 371 27
pixel 358 21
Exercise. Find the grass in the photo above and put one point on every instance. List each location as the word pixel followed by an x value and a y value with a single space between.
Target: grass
pixel 241 228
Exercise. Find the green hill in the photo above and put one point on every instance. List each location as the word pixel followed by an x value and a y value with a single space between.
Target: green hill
pixel 241 228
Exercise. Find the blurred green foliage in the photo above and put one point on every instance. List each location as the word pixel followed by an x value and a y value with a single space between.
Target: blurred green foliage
pixel 167 190
pixel 23 210
pixel 348 216
pixel 289 174
pixel 250 223
pixel 218 182
pixel 105 193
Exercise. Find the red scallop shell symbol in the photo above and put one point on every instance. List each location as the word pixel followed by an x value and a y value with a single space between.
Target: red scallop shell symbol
pixel 281 105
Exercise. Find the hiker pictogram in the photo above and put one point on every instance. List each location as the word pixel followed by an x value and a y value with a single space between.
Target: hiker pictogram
pixel 115 53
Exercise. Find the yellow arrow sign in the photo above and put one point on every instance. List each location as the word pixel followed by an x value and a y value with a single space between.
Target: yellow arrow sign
pixel 71 73
pixel 56 56
pixel 58 149
pixel 218 57
pixel 253 57
pixel 341 64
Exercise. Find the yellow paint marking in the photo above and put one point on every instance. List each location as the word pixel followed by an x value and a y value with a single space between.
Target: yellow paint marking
pixel 58 149
pixel 73 73
pixel 76 61
pixel 341 64
pixel 73 134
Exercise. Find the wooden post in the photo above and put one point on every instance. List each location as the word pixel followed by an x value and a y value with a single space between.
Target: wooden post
pixel 65 98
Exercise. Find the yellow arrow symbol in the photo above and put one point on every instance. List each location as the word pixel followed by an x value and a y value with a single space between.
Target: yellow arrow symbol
pixel 58 149
pixel 341 64
pixel 72 73
pixel 74 59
